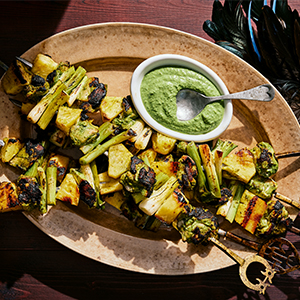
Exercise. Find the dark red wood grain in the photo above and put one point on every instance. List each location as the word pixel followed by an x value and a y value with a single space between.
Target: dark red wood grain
pixel 32 265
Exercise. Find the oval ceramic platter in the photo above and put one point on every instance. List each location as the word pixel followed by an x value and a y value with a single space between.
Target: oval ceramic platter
pixel 112 51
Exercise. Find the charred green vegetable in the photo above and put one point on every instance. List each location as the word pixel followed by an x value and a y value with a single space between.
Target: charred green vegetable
pixel 87 192
pixel 265 161
pixel 196 225
pixel 275 220
pixel 29 192
pixel 30 152
pixel 261 186
pixel 83 132
pixel 36 89
pixel 187 172
pixel 140 178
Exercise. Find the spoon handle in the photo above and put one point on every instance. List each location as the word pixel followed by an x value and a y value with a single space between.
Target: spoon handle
pixel 263 92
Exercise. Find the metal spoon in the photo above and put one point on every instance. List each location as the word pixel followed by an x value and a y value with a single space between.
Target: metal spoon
pixel 190 103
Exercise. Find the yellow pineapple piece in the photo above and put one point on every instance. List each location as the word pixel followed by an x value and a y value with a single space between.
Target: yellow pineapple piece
pixel 115 199
pixel 108 184
pixel 171 207
pixel 162 144
pixel 250 211
pixel 11 147
pixel 43 65
pixel 15 78
pixel 148 155
pixel 66 118
pixel 119 158
pixel 111 107
pixel 68 190
pixel 239 165
pixel 8 197
pixel 166 165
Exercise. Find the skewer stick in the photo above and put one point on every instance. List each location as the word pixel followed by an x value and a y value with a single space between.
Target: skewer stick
pixel 25 62
pixel 287 154
pixel 3 66
pixel 271 250
pixel 286 200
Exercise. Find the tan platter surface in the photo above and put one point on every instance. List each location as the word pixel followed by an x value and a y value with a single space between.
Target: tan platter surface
pixel 111 51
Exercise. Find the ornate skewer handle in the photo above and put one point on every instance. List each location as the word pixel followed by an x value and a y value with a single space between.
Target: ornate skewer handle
pixel 245 263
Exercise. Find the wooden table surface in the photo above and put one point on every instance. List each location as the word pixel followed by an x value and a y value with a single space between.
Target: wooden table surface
pixel 32 265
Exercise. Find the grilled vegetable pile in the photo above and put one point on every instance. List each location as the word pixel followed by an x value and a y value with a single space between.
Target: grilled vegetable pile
pixel 151 178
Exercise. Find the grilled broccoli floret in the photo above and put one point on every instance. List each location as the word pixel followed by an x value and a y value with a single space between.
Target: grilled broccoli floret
pixel 196 225
pixel 275 220
pixel 181 148
pixel 128 116
pixel 92 95
pixel 226 194
pixel 261 186
pixel 38 88
pixel 265 161
pixel 29 192
pixel 83 132
pixel 140 178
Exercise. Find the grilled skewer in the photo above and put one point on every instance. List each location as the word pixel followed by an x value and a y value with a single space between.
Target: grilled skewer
pixel 245 263
pixel 281 259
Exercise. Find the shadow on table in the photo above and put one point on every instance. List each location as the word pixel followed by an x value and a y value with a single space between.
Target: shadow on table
pixel 34 264
pixel 34 20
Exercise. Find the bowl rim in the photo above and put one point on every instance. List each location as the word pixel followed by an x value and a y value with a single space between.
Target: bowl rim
pixel 162 60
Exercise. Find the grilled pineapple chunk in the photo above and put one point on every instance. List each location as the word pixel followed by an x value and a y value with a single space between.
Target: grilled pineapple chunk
pixel 162 143
pixel 115 199
pixel 69 190
pixel 250 211
pixel 119 159
pixel 8 197
pixel 15 78
pixel 111 107
pixel 66 118
pixel 239 165
pixel 167 165
pixel 10 149
pixel 148 156
pixel 172 207
pixel 108 184
pixel 43 65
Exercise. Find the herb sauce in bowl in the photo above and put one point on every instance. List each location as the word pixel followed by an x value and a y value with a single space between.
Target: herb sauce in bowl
pixel 159 88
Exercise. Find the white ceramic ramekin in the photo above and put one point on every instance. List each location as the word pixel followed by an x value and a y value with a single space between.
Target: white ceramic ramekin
pixel 186 62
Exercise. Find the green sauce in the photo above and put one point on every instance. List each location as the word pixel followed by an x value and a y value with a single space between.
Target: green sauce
pixel 158 92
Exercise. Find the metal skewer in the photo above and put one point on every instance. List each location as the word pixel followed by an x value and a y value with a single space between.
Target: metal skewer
pixel 245 263
pixel 287 154
pixel 283 259
pixel 25 62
